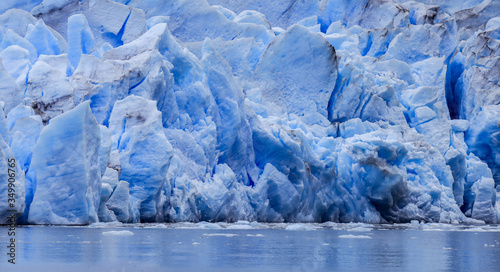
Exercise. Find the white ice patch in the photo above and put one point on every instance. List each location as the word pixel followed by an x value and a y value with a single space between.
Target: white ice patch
pixel 220 234
pixel 302 227
pixel 239 227
pixel 449 248
pixel 350 236
pixel 106 225
pixel 206 225
pixel 158 226
pixel 118 232
pixel 360 229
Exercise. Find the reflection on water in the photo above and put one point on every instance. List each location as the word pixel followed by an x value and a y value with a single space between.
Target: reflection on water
pixel 83 249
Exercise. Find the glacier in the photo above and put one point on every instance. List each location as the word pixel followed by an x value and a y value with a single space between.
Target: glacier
pixel 137 111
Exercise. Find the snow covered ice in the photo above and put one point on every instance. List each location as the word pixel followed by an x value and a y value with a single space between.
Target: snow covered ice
pixel 367 111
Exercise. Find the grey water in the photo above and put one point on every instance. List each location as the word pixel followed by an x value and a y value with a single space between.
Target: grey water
pixel 302 248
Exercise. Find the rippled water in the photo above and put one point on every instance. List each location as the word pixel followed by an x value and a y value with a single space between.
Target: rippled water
pixel 254 247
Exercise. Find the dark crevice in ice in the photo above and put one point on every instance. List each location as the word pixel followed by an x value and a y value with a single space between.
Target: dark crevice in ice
pixel 453 95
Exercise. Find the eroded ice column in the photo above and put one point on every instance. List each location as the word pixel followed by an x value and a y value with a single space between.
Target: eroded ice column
pixel 66 170
pixel 11 177
pixel 144 154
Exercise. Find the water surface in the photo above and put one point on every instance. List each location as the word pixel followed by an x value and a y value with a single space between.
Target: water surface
pixel 254 247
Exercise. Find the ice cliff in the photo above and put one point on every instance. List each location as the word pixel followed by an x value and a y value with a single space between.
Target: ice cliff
pixel 223 110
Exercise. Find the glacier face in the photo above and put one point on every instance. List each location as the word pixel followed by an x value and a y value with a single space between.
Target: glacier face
pixel 223 110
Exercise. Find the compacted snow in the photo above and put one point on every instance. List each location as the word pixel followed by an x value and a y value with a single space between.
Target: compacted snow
pixel 134 111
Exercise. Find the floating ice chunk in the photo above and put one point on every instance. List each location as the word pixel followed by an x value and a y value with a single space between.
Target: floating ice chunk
pixel 118 233
pixel 361 229
pixel 238 226
pixel 220 234
pixel 106 225
pixel 66 167
pixel 255 235
pixel 207 225
pixel 300 227
pixel 350 236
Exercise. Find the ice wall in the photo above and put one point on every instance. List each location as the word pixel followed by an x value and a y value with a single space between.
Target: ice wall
pixel 224 110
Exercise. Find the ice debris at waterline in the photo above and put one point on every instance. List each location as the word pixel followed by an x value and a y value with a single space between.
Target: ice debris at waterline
pixel 191 110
